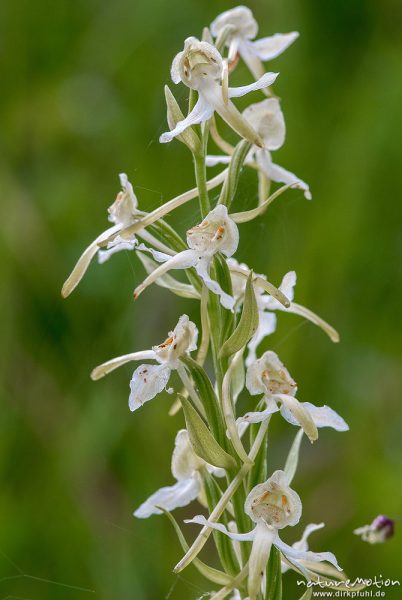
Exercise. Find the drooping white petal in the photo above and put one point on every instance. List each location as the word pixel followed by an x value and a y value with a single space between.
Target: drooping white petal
pixel 147 381
pixel 202 268
pixel 266 326
pixel 182 260
pixel 117 245
pixel 323 416
pixel 259 416
pixel 109 366
pixel 201 112
pixel 265 81
pixel 300 414
pixel 302 544
pixel 281 175
pixel 290 552
pixel 241 537
pixel 169 498
pixel 270 47
pixel 213 160
pixel 260 551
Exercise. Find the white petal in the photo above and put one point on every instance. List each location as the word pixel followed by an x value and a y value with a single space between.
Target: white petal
pixel 106 367
pixel 290 552
pixel 212 160
pixel 241 537
pixel 260 551
pixel 291 407
pixel 265 81
pixel 184 460
pixel 281 175
pixel 201 112
pixel 169 498
pixel 287 287
pixel 202 268
pixel 270 47
pixel 146 383
pixel 115 246
pixel 175 69
pixel 266 326
pixel 267 118
pixel 259 416
pixel 306 533
pixel 324 416
pixel 182 260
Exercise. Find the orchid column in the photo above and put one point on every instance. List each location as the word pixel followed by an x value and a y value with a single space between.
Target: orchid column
pixel 220 456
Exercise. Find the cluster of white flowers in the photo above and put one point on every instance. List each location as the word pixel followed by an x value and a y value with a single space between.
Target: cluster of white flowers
pixel 237 312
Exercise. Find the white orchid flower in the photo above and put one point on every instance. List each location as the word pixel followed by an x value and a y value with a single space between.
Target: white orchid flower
pixel 122 213
pixel 242 28
pixel 149 380
pixel 186 466
pixel 378 532
pixel 216 233
pixel 267 119
pixel 268 305
pixel 272 505
pixel 268 376
pixel 200 67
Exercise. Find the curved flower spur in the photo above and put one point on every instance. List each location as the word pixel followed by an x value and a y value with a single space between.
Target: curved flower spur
pixel 268 305
pixel 200 67
pixel 272 506
pixel 239 28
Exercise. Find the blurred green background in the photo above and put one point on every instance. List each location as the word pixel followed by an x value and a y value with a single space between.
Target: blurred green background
pixel 82 100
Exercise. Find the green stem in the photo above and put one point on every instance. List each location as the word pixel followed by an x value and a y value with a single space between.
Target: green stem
pixel 201 180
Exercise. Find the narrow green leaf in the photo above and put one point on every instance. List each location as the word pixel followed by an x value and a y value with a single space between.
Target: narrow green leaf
pixel 274 576
pixel 174 115
pixel 293 456
pixel 208 572
pixel 202 440
pixel 208 398
pixel 247 325
pixel 232 179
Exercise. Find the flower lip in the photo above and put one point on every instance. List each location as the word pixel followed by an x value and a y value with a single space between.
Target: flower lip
pixel 241 19
pixel 274 502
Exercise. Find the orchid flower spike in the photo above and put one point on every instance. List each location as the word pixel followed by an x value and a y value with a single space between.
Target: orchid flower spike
pixel 216 233
pixel 149 380
pixel 267 119
pixel 378 532
pixel 268 376
pixel 268 305
pixel 241 29
pixel 122 213
pixel 186 466
pixel 272 506
pixel 200 67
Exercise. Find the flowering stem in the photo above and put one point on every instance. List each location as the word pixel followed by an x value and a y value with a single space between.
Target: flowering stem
pixel 201 179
